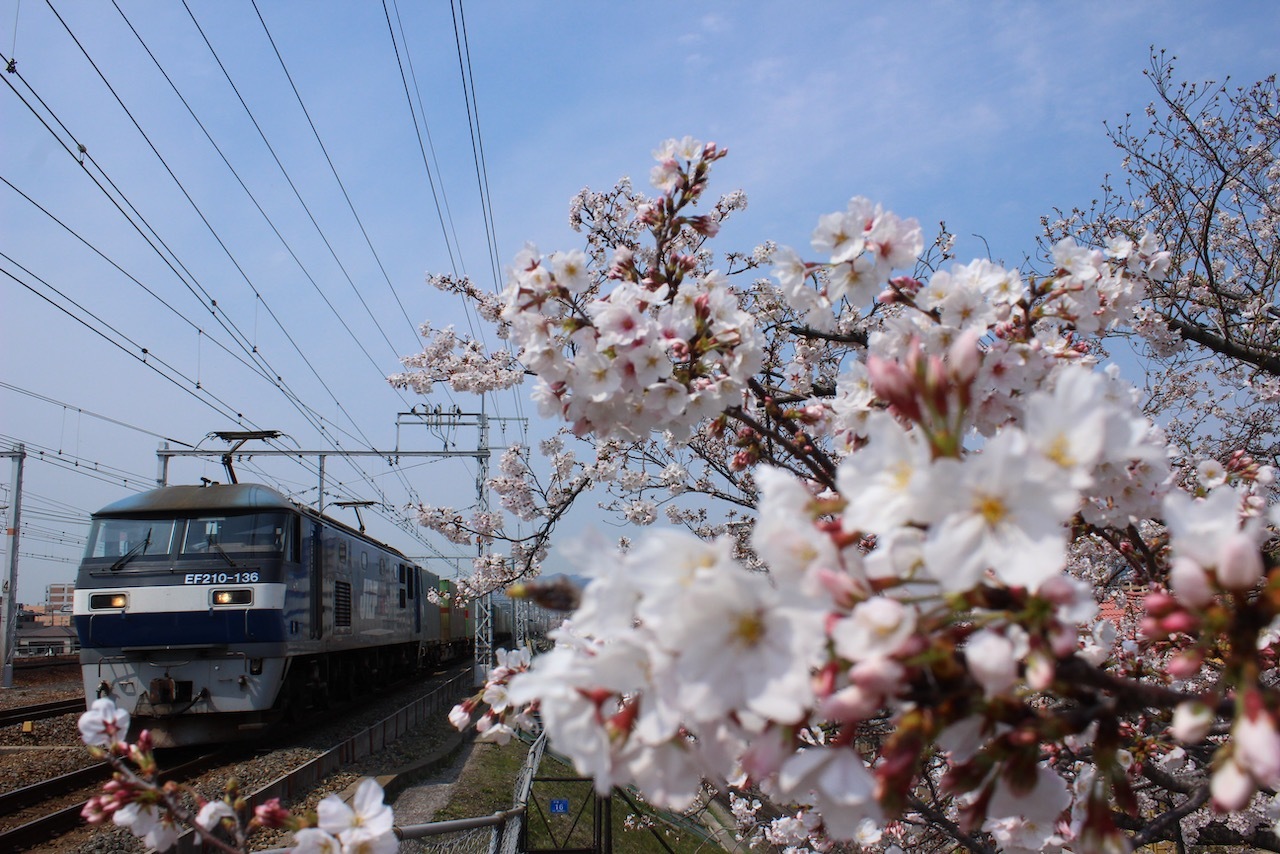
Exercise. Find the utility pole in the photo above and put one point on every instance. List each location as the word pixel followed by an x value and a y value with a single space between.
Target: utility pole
pixel 447 419
pixel 9 614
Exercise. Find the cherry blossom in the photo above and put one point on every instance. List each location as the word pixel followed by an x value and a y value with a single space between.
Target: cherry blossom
pixel 968 593
pixel 104 724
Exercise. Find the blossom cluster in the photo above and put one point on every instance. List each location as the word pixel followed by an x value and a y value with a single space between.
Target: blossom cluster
pixel 157 813
pixel 922 626
pixel 636 350
pixel 462 362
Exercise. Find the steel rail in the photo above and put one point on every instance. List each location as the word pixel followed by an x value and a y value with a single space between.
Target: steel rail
pixel 41 711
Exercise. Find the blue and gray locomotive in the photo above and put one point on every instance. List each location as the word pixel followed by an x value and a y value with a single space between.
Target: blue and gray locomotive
pixel 211 612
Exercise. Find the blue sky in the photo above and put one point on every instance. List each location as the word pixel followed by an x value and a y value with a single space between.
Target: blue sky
pixel 982 115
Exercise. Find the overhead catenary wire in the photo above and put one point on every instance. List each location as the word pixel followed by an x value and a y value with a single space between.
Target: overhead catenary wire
pixel 477 152
pixel 345 195
pixel 90 413
pixel 44 453
pixel 477 145
pixel 263 368
pixel 442 209
pixel 253 366
pixel 369 477
pixel 426 130
pixel 477 330
pixel 134 350
pixel 314 418
pixel 237 334
pixel 310 278
pixel 186 384
pixel 292 185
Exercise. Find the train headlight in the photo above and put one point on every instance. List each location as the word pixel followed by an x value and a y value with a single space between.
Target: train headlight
pixel 108 601
pixel 233 597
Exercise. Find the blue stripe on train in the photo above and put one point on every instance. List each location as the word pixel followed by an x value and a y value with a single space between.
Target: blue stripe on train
pixel 180 628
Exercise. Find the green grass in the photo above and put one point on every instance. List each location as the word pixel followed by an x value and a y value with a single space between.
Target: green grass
pixel 487 786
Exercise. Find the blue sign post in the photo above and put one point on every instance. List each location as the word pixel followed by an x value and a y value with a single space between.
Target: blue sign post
pixel 559 806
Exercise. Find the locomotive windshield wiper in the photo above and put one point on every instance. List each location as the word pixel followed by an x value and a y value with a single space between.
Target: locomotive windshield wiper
pixel 214 544
pixel 133 552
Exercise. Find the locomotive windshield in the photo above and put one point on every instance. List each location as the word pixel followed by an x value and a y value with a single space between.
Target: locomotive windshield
pixel 133 538
pixel 256 532
pixel 126 540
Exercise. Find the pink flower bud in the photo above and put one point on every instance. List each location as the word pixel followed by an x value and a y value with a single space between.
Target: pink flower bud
pixel 1064 640
pixel 1040 671
pixel 850 703
pixel 1180 621
pixel 906 284
pixel 894 385
pixel 992 661
pixel 1239 563
pixel 1160 604
pixel 271 814
pixel 877 674
pixel 965 357
pixel 1191 722
pixel 766 754
pixel 841 587
pixel 824 681
pixel 1257 742
pixel 1190 583
pixel 1057 590
pixel 1185 665
pixel 937 384
pixel 97 810
pixel 1231 787
pixel 705 225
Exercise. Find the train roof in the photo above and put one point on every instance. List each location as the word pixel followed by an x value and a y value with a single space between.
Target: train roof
pixel 222 497
pixel 188 499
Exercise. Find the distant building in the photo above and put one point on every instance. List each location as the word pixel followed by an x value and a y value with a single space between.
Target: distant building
pixel 47 640
pixel 59 600
pixel 60 597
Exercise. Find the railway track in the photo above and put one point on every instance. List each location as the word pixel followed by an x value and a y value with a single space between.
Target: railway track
pixel 43 811
pixel 40 711
pixel 34 815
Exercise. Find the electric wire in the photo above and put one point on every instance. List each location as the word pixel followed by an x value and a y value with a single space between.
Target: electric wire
pixel 284 242
pixel 243 340
pixel 426 165
pixel 44 453
pixel 408 57
pixel 264 370
pixel 316 420
pixel 213 302
pixel 80 411
pixel 477 152
pixel 139 353
pixel 473 123
pixel 298 195
pixel 315 131
pixel 477 330
pixel 253 366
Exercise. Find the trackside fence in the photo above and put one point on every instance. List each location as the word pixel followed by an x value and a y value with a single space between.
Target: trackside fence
pixel 429 707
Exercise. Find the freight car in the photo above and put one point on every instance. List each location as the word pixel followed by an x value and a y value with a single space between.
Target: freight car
pixel 212 612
